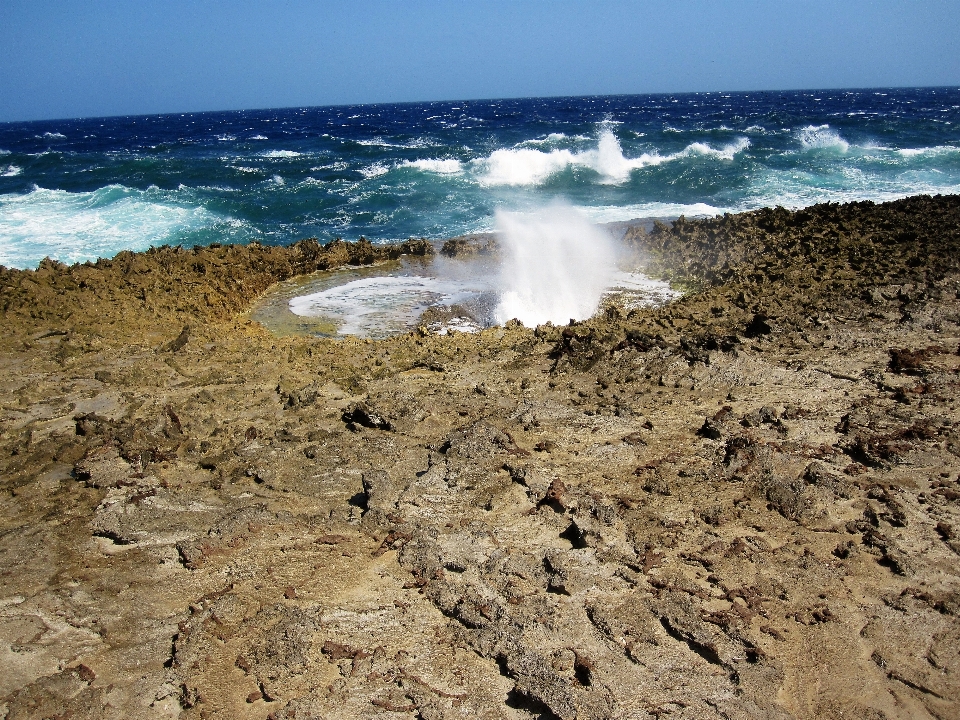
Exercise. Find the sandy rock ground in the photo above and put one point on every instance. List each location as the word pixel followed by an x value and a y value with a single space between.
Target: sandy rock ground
pixel 743 505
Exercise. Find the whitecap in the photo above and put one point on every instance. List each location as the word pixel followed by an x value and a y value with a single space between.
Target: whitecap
pixel 339 165
pixel 551 139
pixel 258 137
pixel 377 142
pixel 226 138
pixel 11 171
pixel 822 137
pixel 621 213
pixel 280 154
pixel 375 170
pixel 448 166
pixel 794 189
pixel 925 151
pixel 52 136
pixel 523 166
pixel 422 142
pixel 528 166
pixel 727 152
pixel 4 152
pixel 77 226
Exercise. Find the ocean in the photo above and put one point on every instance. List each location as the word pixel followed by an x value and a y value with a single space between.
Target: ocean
pixel 76 190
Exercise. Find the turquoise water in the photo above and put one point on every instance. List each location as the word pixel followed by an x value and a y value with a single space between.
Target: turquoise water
pixel 76 190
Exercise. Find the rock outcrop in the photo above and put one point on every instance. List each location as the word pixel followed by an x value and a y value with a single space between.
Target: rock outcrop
pixel 743 504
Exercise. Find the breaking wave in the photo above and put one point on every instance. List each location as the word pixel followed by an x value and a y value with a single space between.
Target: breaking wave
pixel 75 227
pixel 443 167
pixel 528 166
pixel 822 137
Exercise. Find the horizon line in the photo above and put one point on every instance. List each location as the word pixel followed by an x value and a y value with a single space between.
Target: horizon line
pixel 475 100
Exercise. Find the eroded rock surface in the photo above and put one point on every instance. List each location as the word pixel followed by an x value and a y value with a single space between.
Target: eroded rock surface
pixel 745 504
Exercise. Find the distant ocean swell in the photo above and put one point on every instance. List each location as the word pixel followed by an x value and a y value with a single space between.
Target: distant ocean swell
pixel 78 190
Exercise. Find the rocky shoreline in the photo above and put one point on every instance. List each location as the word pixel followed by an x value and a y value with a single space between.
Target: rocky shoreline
pixel 743 504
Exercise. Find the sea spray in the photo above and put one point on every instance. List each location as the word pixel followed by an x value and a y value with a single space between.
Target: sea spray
pixel 555 266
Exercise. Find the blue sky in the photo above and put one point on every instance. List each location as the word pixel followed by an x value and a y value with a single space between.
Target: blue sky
pixel 69 58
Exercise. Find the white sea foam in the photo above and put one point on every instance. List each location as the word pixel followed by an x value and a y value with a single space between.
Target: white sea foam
pixel 73 227
pixel 375 170
pixel 4 152
pixel 620 213
pixel 381 305
pixel 339 165
pixel 281 154
pixel 552 139
pixel 11 171
pixel 53 136
pixel 727 152
pixel 528 166
pixel 377 142
pixel 422 142
pixel 259 137
pixel 555 266
pixel 449 166
pixel 794 189
pixel 634 289
pixel 226 138
pixel 415 144
pixel 523 166
pixel 929 151
pixel 822 137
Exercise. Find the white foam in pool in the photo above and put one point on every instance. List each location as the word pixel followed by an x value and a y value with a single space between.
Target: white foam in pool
pixel 384 305
pixel 378 306
pixel 553 266
pixel 634 289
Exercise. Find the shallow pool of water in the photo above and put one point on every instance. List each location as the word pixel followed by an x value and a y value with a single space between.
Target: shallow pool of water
pixel 443 294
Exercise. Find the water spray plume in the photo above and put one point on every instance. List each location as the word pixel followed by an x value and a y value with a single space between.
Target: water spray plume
pixel 555 266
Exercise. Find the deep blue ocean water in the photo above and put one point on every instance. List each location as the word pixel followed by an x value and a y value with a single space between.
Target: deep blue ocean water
pixel 76 190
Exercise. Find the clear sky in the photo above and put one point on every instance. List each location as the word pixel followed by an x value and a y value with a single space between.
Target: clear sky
pixel 77 58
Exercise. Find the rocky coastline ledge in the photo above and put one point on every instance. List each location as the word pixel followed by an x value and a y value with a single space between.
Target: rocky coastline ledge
pixel 741 505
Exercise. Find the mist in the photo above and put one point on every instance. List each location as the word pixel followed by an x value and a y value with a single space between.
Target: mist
pixel 555 266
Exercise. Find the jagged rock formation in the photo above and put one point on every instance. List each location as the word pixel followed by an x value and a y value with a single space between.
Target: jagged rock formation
pixel 745 504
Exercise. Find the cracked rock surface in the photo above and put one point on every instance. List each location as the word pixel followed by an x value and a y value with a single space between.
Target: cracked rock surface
pixel 745 504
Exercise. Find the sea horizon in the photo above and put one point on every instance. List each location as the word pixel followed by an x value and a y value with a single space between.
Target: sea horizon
pixel 181 113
